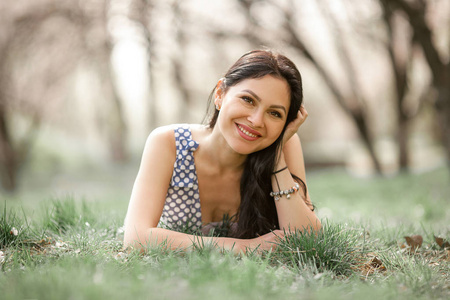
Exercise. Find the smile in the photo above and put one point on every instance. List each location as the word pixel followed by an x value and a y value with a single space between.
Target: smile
pixel 247 134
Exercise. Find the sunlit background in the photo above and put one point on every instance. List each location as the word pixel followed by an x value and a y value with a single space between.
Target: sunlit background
pixel 83 83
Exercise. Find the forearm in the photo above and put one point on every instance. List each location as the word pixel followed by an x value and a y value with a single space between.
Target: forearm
pixel 176 240
pixel 293 212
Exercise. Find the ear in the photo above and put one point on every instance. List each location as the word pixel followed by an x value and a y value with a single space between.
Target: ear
pixel 219 92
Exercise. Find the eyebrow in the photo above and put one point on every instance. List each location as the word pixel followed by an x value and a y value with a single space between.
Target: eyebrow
pixel 259 99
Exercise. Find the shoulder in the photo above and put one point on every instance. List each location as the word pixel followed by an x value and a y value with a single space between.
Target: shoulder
pixel 164 137
pixel 168 131
pixel 161 142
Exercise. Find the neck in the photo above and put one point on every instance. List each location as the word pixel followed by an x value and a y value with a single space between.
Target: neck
pixel 220 154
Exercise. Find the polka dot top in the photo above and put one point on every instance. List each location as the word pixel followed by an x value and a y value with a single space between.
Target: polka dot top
pixel 182 207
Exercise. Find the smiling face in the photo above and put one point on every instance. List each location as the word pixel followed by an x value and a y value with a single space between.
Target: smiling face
pixel 253 113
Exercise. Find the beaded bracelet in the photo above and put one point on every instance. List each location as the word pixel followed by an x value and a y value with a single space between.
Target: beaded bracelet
pixel 288 192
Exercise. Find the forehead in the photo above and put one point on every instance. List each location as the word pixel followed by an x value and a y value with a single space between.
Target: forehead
pixel 270 89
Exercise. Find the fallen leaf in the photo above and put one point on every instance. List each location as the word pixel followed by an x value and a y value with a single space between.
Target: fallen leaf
pixel 442 243
pixel 376 263
pixel 373 265
pixel 414 241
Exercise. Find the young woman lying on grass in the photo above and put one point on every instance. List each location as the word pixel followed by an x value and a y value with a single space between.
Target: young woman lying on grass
pixel 247 163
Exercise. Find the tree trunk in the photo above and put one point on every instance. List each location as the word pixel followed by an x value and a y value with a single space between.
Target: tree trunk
pixel 440 68
pixel 402 139
pixel 443 112
pixel 365 135
pixel 8 159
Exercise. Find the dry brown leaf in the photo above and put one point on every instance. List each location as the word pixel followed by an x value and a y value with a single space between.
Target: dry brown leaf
pixel 442 243
pixel 414 241
pixel 377 263
pixel 373 265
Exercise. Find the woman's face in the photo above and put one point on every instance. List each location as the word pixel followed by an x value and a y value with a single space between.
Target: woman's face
pixel 253 113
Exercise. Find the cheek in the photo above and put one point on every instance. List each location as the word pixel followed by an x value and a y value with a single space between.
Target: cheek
pixel 277 129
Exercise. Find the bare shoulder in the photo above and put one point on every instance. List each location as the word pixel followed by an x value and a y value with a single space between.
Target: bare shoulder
pixel 160 143
pixel 163 138
pixel 163 133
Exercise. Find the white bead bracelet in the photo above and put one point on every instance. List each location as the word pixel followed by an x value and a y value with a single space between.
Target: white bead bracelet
pixel 288 192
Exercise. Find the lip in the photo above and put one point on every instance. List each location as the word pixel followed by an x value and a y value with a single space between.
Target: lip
pixel 246 128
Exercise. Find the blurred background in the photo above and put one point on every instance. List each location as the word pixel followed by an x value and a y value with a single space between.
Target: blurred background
pixel 83 83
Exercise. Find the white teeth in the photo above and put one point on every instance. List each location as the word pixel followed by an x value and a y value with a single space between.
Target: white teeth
pixel 246 132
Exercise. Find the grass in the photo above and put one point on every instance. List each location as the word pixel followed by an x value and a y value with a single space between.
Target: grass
pixel 70 247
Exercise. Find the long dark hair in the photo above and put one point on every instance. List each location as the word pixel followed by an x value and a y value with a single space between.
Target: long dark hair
pixel 257 214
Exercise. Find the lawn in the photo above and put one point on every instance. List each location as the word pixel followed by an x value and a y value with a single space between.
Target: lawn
pixel 69 247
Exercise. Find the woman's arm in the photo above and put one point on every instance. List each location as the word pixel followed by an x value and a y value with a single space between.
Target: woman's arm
pixel 293 213
pixel 176 240
pixel 151 184
pixel 148 198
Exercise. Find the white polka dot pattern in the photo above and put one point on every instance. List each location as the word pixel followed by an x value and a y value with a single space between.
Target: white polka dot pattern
pixel 182 207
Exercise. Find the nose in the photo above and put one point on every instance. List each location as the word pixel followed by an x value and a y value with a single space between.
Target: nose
pixel 256 118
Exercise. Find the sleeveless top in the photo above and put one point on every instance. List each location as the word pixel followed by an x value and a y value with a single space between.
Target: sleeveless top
pixel 181 210
pixel 182 207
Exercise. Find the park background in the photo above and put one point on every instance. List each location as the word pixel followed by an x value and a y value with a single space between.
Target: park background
pixel 83 83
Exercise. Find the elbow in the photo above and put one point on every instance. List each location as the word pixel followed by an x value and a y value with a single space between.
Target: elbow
pixel 310 225
pixel 134 238
pixel 316 225
pixel 130 241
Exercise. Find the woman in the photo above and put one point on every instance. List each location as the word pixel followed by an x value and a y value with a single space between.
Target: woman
pixel 247 163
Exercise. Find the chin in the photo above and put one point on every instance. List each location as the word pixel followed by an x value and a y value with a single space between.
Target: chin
pixel 245 149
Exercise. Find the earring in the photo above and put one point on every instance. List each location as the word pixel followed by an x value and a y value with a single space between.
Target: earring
pixel 217 107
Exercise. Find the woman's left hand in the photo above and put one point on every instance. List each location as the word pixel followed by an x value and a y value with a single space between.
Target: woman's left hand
pixel 294 125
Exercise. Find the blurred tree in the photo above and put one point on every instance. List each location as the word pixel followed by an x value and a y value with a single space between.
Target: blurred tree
pixel 141 13
pixel 424 35
pixel 409 96
pixel 179 61
pixel 402 55
pixel 98 45
pixel 29 82
pixel 351 100
pixel 41 46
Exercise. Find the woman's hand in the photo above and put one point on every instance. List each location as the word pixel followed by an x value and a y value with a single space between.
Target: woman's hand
pixel 294 125
pixel 268 241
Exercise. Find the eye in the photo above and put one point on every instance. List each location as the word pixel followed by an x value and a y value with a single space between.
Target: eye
pixel 276 114
pixel 247 99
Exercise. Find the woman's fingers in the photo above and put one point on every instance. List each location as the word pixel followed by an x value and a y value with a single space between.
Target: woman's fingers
pixel 270 240
pixel 295 124
pixel 302 114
